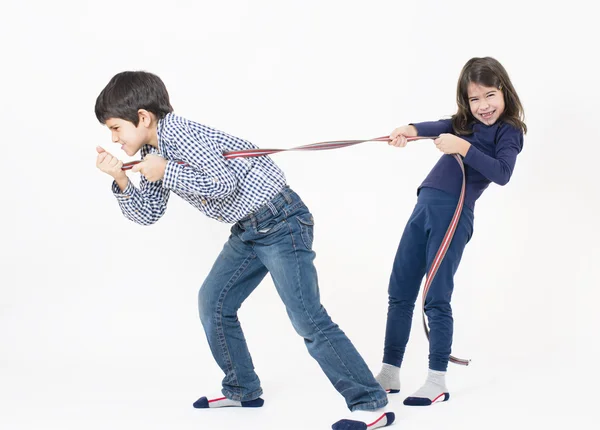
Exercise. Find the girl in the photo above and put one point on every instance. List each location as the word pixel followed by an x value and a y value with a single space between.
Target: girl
pixel 487 131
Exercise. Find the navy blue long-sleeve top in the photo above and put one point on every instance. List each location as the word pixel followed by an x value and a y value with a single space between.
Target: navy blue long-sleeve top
pixel 491 158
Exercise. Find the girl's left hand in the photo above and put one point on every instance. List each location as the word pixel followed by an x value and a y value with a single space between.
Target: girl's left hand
pixel 451 144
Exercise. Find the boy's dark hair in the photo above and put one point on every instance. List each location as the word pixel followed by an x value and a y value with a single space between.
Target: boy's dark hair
pixel 488 72
pixel 127 92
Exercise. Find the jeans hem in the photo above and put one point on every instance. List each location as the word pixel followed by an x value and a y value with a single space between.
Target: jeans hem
pixel 438 366
pixel 393 361
pixel 371 405
pixel 245 398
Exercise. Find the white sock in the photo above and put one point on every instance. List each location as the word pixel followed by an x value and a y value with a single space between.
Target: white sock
pixel 433 391
pixel 389 378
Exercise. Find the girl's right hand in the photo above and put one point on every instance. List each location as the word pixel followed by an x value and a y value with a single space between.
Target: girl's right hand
pixel 399 135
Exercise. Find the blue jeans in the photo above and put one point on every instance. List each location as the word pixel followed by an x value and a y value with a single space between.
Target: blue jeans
pixel 420 241
pixel 278 239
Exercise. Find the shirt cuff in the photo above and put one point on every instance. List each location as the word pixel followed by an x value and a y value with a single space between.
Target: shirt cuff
pixel 472 153
pixel 172 172
pixel 123 195
pixel 422 129
pixel 432 128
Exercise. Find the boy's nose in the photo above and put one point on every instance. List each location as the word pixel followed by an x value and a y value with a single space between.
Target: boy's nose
pixel 115 138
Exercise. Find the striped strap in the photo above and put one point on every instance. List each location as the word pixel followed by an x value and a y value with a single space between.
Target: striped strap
pixel 441 252
pixel 321 146
pixel 334 144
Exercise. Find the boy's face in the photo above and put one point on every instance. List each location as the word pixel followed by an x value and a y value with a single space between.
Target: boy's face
pixel 130 137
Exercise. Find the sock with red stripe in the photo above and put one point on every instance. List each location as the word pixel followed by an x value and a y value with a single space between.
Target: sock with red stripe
pixel 389 378
pixel 433 391
pixel 365 420
pixel 223 402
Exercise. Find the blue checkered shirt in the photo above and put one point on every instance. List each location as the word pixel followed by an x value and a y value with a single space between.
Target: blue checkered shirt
pixel 226 190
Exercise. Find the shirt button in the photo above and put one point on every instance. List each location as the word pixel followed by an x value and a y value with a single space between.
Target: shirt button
pixel 203 201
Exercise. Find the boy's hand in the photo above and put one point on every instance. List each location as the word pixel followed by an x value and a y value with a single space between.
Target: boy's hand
pixel 152 167
pixel 451 144
pixel 399 135
pixel 109 164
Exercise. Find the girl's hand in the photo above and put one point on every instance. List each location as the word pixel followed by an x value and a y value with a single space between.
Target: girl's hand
pixel 451 144
pixel 399 135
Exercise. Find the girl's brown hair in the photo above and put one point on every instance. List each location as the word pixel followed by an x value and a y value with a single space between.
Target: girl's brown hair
pixel 488 72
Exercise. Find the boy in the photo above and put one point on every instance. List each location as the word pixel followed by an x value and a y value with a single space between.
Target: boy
pixel 272 233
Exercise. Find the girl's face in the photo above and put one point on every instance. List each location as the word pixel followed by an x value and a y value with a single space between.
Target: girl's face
pixel 486 103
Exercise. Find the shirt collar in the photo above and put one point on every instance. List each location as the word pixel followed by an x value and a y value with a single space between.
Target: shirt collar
pixel 160 128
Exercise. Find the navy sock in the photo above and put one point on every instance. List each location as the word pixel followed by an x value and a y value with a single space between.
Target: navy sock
pixel 383 420
pixel 223 402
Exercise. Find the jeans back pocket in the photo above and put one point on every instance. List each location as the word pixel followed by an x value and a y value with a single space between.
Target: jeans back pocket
pixel 307 224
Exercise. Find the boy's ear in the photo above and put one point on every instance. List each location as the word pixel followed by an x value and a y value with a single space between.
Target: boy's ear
pixel 145 117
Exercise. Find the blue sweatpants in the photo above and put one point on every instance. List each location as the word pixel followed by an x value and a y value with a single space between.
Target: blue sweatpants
pixel 420 241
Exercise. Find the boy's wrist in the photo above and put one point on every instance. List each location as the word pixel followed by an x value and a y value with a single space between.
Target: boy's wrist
pixel 122 181
pixel 117 174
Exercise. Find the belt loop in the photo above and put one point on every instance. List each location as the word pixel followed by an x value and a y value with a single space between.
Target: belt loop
pixel 285 193
pixel 272 208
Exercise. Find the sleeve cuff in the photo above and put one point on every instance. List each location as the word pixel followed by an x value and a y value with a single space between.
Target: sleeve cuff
pixel 424 128
pixel 432 128
pixel 172 172
pixel 472 153
pixel 123 195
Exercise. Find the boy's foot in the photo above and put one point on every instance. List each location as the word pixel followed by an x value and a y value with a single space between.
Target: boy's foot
pixel 433 391
pixel 223 402
pixel 389 378
pixel 365 420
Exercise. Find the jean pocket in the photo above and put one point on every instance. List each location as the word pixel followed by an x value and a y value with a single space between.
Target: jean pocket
pixel 270 226
pixel 307 224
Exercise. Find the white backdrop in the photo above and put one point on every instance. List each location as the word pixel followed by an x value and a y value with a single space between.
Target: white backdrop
pixel 98 316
